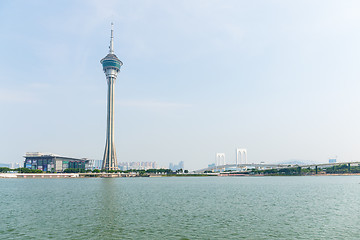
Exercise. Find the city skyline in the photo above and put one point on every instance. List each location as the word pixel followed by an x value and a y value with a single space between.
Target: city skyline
pixel 278 78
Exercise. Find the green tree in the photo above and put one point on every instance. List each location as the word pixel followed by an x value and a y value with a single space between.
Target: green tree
pixel 4 169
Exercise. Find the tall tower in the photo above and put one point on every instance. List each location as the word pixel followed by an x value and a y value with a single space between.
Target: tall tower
pixel 111 66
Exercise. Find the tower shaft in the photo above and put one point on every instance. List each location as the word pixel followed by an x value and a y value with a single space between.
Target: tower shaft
pixel 110 160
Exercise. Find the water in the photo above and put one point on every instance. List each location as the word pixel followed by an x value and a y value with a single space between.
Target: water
pixel 325 207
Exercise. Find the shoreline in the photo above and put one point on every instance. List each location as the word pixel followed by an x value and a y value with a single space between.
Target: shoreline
pixel 120 175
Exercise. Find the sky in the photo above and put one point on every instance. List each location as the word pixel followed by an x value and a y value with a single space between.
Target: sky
pixel 278 78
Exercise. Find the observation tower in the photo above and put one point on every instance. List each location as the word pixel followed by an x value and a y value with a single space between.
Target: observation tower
pixel 111 66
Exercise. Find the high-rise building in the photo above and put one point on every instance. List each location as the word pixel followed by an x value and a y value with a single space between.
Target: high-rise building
pixel 175 167
pixel 137 165
pixel 95 164
pixel 111 66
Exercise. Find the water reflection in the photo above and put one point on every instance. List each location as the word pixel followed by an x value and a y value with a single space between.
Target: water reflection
pixel 109 209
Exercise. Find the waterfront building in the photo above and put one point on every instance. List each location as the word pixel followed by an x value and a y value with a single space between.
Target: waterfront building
pixel 53 163
pixel 111 66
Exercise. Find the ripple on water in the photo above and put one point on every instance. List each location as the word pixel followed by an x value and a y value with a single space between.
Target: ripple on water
pixel 181 208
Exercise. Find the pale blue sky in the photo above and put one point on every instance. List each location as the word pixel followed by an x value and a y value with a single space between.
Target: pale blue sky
pixel 279 78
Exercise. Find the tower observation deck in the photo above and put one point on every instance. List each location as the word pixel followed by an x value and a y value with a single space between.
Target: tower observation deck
pixel 111 66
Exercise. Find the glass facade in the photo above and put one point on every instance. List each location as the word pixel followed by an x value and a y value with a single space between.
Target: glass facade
pixel 111 63
pixel 54 163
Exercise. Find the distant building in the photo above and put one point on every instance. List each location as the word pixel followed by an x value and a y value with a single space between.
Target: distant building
pixel 175 167
pixel 16 165
pixel 5 165
pixel 53 163
pixel 332 160
pixel 137 165
pixel 95 164
pixel 211 165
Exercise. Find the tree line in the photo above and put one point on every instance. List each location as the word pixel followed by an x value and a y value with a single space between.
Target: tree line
pixel 293 171
pixel 19 170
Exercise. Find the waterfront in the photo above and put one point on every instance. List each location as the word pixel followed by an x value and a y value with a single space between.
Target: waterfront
pixel 181 208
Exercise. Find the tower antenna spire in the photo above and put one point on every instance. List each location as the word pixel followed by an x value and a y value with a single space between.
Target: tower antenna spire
pixel 111 47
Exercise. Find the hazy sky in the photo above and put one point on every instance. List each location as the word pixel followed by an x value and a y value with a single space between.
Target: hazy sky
pixel 279 78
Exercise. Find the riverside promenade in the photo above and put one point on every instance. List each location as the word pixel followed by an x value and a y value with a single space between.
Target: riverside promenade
pixel 66 175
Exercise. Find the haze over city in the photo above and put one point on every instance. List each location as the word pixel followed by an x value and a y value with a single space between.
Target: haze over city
pixel 279 78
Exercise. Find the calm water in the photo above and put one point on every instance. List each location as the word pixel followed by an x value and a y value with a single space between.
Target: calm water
pixel 181 208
